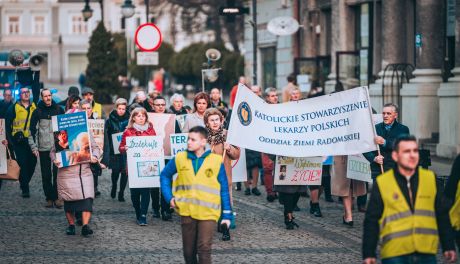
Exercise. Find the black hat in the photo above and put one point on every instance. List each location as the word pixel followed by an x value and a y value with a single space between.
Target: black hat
pixel 73 91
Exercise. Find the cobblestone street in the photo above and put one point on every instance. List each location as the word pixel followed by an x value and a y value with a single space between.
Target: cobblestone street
pixel 29 232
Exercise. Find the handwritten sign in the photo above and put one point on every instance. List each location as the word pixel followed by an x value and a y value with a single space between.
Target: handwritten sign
pixel 3 165
pixel 178 143
pixel 116 139
pixel 358 168
pixel 298 171
pixel 145 161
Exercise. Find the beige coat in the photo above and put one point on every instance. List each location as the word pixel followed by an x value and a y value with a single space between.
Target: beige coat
pixel 232 154
pixel 340 184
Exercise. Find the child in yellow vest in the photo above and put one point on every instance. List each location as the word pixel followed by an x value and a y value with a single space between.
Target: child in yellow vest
pixel 199 194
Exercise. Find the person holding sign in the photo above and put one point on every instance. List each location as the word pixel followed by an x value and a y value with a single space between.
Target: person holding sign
pixel 407 212
pixel 199 194
pixel 138 126
pixel 200 104
pixel 76 187
pixel 115 125
pixel 214 121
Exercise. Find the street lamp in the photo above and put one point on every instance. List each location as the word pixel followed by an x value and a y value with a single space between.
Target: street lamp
pixel 127 9
pixel 87 11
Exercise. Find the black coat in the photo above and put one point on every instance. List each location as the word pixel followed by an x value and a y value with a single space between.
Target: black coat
pixel 395 131
pixel 114 124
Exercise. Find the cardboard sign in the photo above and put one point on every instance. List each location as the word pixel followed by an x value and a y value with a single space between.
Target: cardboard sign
pixel 71 139
pixel 298 171
pixel 239 171
pixel 164 125
pixel 178 143
pixel 358 168
pixel 145 161
pixel 96 126
pixel 116 139
pixel 3 165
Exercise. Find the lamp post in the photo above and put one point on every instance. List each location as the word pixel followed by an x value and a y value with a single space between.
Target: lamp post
pixel 127 9
pixel 87 12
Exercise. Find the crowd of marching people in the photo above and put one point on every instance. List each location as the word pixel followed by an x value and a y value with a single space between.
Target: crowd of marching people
pixel 408 210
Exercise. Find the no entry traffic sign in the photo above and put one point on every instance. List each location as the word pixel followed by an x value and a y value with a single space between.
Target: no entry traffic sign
pixel 148 37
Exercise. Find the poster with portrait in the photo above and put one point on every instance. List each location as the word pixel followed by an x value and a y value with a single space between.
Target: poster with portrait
pixel 145 161
pixel 71 139
pixel 164 125
pixel 358 168
pixel 96 126
pixel 178 143
pixel 298 171
pixel 116 139
pixel 239 171
pixel 3 165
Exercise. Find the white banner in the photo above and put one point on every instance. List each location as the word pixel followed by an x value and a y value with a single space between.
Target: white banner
pixel 145 161
pixel 334 124
pixel 178 143
pixel 164 125
pixel 3 165
pixel 298 171
pixel 116 139
pixel 239 171
pixel 358 168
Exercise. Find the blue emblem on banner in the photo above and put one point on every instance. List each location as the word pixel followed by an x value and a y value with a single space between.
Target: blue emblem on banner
pixel 244 114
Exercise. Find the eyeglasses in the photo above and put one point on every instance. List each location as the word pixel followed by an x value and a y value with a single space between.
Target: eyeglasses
pixel 25 92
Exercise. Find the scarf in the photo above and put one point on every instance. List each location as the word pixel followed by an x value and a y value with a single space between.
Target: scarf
pixel 216 137
pixel 141 128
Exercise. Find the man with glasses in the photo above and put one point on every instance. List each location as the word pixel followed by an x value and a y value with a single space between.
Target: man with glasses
pixel 17 125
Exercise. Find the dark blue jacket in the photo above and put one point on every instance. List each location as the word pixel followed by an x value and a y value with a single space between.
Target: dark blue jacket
pixel 395 131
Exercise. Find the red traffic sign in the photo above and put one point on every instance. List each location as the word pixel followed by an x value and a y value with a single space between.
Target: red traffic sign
pixel 148 37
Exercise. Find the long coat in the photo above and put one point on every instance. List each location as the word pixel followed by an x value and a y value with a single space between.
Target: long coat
pixel 232 154
pixel 76 182
pixel 340 184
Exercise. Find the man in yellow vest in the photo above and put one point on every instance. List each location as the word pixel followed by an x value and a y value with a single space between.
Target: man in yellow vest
pixel 88 94
pixel 17 125
pixel 407 212
pixel 452 194
pixel 199 194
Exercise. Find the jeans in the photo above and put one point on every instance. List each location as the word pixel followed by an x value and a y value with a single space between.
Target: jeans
pixel 27 162
pixel 140 198
pixel 49 176
pixel 197 239
pixel 158 200
pixel 415 258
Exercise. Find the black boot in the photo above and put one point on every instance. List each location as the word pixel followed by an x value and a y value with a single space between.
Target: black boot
pixel 121 197
pixel 315 210
pixel 290 224
pixel 113 192
pixel 86 231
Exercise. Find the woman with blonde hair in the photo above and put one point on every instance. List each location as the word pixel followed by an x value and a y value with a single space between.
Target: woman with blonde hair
pixel 138 126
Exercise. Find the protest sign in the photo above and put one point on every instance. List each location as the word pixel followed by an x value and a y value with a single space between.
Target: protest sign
pixel 71 139
pixel 358 168
pixel 239 171
pixel 181 121
pixel 178 143
pixel 96 126
pixel 116 139
pixel 145 161
pixel 334 124
pixel 3 165
pixel 164 125
pixel 377 118
pixel 298 171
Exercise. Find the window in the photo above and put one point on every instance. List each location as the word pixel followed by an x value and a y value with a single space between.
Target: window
pixel 13 25
pixel 79 25
pixel 77 64
pixel 268 66
pixel 39 25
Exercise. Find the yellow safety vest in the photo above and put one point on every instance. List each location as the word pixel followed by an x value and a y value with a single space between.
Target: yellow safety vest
pixel 20 119
pixel 97 108
pixel 198 196
pixel 454 212
pixel 401 230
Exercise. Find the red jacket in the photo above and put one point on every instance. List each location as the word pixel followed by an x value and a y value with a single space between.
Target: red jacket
pixel 132 132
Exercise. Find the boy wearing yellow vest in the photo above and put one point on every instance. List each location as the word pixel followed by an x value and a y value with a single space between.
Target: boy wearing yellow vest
pixel 452 194
pixel 199 194
pixel 407 212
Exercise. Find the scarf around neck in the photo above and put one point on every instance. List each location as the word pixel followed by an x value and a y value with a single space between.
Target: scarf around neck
pixel 216 137
pixel 142 128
